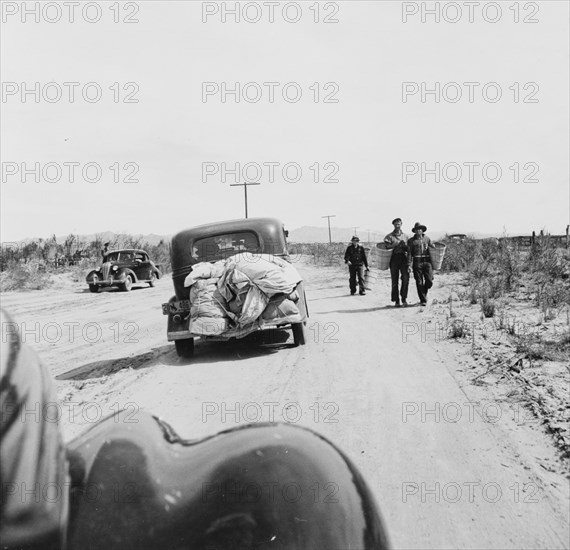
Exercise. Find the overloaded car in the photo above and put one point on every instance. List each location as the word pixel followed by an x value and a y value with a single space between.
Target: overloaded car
pixel 231 279
pixel 123 269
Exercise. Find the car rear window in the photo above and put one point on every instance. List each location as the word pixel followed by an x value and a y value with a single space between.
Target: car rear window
pixel 224 245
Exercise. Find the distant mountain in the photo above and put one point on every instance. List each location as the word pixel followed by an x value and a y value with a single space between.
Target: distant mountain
pixel 310 234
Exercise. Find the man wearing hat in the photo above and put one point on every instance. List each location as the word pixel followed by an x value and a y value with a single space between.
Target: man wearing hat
pixel 397 241
pixel 420 261
pixel 355 257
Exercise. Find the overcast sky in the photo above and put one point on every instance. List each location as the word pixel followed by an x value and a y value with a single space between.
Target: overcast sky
pixel 350 129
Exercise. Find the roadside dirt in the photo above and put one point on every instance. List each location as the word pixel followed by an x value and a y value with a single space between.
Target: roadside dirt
pixel 453 464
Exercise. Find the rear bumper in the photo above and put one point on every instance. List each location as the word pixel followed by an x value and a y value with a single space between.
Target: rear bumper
pixel 237 333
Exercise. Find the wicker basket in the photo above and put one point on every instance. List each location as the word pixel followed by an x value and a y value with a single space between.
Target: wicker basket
pixel 384 255
pixel 436 254
pixel 369 279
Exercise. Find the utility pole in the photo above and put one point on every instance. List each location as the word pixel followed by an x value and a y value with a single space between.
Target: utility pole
pixel 355 228
pixel 244 191
pixel 329 220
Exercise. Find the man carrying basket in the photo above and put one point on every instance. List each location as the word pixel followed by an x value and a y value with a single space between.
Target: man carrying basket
pixel 397 241
pixel 420 261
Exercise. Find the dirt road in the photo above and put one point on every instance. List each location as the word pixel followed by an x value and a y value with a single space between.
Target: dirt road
pixel 449 469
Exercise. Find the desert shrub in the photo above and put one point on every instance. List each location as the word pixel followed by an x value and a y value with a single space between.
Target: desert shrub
pixel 458 255
pixel 495 286
pixel 32 275
pixel 552 294
pixel 326 254
pixel 482 290
pixel 509 263
pixel 543 257
pixel 510 325
pixel 473 295
pixel 534 348
pixel 477 257
pixel 79 270
pixel 450 302
pixel 457 329
pixel 160 255
pixel 28 266
pixel 330 253
pixel 564 343
pixel 549 270
pixel 488 307
pixel 480 266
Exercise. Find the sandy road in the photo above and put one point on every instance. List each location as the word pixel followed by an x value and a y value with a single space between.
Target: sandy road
pixel 442 479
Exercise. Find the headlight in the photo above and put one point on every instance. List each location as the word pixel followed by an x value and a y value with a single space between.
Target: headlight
pixel 115 268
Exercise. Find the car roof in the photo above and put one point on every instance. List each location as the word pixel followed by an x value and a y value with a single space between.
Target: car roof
pixel 261 225
pixel 126 250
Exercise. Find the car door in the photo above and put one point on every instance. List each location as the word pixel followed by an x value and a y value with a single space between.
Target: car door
pixel 142 266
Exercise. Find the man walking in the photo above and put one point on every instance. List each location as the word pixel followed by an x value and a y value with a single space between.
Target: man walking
pixel 420 261
pixel 355 257
pixel 397 241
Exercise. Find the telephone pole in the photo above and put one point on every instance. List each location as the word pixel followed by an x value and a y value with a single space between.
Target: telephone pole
pixel 244 191
pixel 355 228
pixel 329 220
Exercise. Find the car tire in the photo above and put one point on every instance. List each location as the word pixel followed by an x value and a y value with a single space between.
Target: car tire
pixel 298 334
pixel 185 348
pixel 94 288
pixel 127 285
pixel 152 280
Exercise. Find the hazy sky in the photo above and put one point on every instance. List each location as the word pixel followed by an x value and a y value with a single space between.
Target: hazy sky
pixel 350 129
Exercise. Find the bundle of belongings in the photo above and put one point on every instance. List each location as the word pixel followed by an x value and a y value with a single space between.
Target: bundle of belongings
pixel 241 294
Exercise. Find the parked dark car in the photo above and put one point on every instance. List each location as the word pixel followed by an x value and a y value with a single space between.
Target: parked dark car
pixel 457 237
pixel 211 243
pixel 123 269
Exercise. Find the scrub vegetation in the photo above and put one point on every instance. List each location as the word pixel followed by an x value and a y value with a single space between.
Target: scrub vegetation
pixel 37 264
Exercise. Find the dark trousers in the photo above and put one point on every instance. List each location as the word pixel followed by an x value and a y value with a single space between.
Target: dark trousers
pixel 423 274
pixel 399 268
pixel 355 271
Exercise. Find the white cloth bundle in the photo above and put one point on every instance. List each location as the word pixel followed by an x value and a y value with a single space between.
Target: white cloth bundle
pixel 236 292
pixel 205 270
